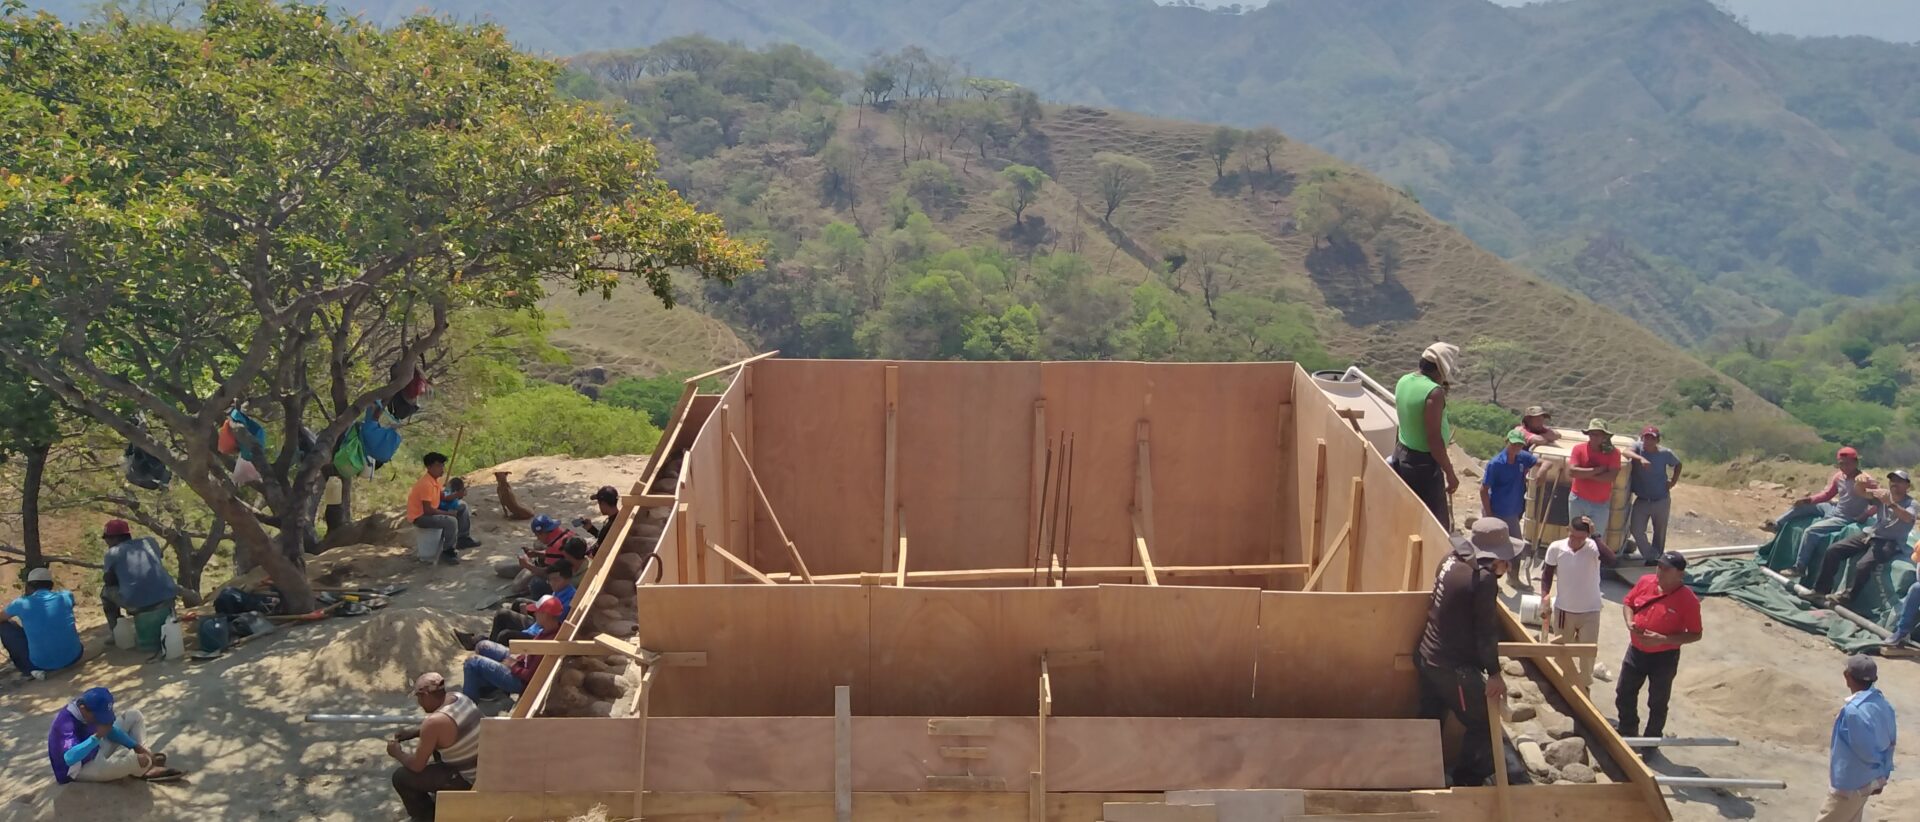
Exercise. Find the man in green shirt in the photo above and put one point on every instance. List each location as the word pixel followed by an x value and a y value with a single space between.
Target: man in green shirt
pixel 1420 400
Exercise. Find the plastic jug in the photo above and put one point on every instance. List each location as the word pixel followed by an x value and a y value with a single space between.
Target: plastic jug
pixel 172 640
pixel 124 632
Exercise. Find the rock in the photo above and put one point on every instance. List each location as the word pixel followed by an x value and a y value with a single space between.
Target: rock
pixel 605 602
pixel 627 567
pixel 1555 724
pixel 648 530
pixel 618 663
pixel 600 708
pixel 1535 759
pixel 1522 713
pixel 621 628
pixel 1576 773
pixel 1512 667
pixel 1564 752
pixel 1529 732
pixel 1693 513
pixel 571 677
pixel 604 685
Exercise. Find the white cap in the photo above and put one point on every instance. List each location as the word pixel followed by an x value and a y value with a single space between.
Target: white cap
pixel 40 575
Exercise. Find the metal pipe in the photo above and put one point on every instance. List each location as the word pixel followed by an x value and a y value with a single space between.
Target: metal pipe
pixel 379 719
pixel 1807 594
pixel 1722 551
pixel 1717 782
pixel 1354 373
pixel 1680 742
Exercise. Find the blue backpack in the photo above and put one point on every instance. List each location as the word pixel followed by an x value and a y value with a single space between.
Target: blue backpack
pixel 379 441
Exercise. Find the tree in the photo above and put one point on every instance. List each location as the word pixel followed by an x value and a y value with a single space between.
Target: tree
pixel 1025 106
pixel 1342 208
pixel 839 170
pixel 1117 177
pixel 1701 394
pixel 1219 262
pixel 1220 146
pixel 1496 359
pixel 1272 330
pixel 30 425
pixel 932 183
pixel 1019 188
pixel 296 229
pixel 1265 141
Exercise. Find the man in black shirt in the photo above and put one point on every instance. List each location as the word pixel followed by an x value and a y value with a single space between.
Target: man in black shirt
pixel 1458 656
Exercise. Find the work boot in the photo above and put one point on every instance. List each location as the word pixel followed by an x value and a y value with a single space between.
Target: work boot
pixel 467 542
pixel 1792 573
pixel 449 558
pixel 467 639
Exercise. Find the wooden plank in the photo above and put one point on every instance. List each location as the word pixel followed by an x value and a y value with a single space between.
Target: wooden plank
pixel 1286 490
pixel 559 647
pixel 1340 541
pixel 1246 804
pixel 680 528
pixel 640 768
pixel 1098 572
pixel 1156 812
pixel 1536 650
pixel 1037 791
pixel 655 500
pixel 1319 532
pixel 1036 480
pixel 741 564
pixel 700 550
pixel 697 378
pixel 729 512
pixel 1158 665
pixel 890 501
pixel 900 566
pixel 1416 553
pixel 975 652
pixel 1356 535
pixel 962 752
pixel 1497 727
pixel 938 782
pixel 541 754
pixel 1140 549
pixel 918 806
pixel 970 726
pixel 842 754
pixel 676 422
pixel 793 553
pixel 492 806
pixel 1309 639
pixel 818 448
pixel 1143 500
pixel 772 650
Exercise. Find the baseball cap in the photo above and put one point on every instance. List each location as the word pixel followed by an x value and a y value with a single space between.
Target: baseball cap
pixel 550 606
pixel 1537 411
pixel 1862 668
pixel 1673 559
pixel 1597 424
pixel 1899 474
pixel 40 575
pixel 99 702
pixel 1516 438
pixel 606 494
pixel 428 683
pixel 1650 431
pixel 543 523
pixel 117 528
pixel 1488 539
pixel 1847 452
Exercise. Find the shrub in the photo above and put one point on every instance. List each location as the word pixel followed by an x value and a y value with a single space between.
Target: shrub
pixel 1486 418
pixel 1718 436
pixel 653 396
pixel 553 419
pixel 1478 444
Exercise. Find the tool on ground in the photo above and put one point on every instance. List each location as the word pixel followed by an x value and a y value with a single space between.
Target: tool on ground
pixel 367 719
pixel 1680 742
pixel 1717 782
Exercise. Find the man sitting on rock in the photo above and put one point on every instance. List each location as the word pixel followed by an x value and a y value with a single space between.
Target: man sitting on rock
pixel 495 670
pixel 530 566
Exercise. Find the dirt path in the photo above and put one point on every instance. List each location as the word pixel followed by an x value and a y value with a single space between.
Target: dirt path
pixel 234 723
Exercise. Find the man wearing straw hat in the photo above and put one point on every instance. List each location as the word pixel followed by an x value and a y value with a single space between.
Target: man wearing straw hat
pixel 1593 464
pixel 1535 426
pixel 1420 458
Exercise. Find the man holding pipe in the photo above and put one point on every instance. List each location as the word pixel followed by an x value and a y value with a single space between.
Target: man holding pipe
pixel 447 752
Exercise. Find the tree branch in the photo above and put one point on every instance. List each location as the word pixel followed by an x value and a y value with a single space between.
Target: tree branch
pixel 49 558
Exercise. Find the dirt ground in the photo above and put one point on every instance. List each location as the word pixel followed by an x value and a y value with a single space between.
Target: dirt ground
pixel 234 723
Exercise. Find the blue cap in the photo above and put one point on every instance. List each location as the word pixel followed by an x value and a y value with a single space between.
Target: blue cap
pixel 99 702
pixel 544 523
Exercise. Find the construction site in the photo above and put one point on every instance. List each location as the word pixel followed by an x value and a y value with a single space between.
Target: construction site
pixel 872 590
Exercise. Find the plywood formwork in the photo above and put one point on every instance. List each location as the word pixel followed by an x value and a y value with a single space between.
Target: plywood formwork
pixel 962 551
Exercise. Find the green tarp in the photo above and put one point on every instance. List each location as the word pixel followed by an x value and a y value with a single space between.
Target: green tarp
pixel 1742 580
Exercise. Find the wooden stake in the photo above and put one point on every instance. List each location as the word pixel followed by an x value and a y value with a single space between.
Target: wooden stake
pixel 1140 550
pixel 1037 484
pixel 680 526
pixel 842 753
pixel 1356 527
pixel 1315 538
pixel 793 553
pixel 727 508
pixel 1498 729
pixel 1143 533
pixel 742 565
pixel 1340 541
pixel 1415 547
pixel 900 569
pixel 1286 512
pixel 700 547
pixel 1037 784
pixel 640 770
pixel 891 499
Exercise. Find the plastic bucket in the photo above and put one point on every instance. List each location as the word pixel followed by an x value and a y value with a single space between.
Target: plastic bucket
pixel 124 633
pixel 1529 609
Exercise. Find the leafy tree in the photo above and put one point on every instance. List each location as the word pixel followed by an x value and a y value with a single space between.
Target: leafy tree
pixel 1025 106
pixel 654 396
pixel 1342 208
pixel 990 88
pixel 932 183
pixel 1019 188
pixel 31 420
pixel 1271 330
pixel 1117 177
pixel 305 217
pixel 1219 262
pixel 1014 335
pixel 1220 145
pixel 1496 359
pixel 839 168
pixel 1698 393
pixel 1265 141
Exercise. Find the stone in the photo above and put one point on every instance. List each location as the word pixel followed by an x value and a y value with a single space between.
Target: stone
pixel 1512 667
pixel 1555 724
pixel 1569 751
pixel 1535 759
pixel 647 530
pixel 600 708
pixel 622 628
pixel 1693 513
pixel 618 662
pixel 571 677
pixel 627 567
pixel 606 602
pixel 1576 773
pixel 603 685
pixel 1522 713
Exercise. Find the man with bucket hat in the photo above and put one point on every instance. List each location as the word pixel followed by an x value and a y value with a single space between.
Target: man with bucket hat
pixel 1458 655
pixel 1593 464
pixel 1536 426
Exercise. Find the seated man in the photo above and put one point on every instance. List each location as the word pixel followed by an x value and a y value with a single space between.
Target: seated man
pixel 1883 539
pixel 448 752
pixel 1909 611
pixel 1832 509
pixel 44 638
pixel 495 670
pixel 577 555
pixel 607 500
pixel 530 566
pixel 88 743
pixel 514 619
pixel 133 578
pixel 424 510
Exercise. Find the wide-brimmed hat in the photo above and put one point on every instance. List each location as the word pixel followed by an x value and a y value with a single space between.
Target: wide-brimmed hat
pixel 1488 539
pixel 1597 424
pixel 1537 411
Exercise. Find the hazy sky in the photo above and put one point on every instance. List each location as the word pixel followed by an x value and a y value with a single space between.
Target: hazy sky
pixel 1896 20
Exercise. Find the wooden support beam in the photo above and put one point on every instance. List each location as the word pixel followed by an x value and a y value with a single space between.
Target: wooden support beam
pixel 741 564
pixel 700 547
pixel 891 499
pixel 1356 533
pixel 1498 729
pixel 654 500
pixel 1141 552
pixel 1037 778
pixel 900 567
pixel 793 553
pixel 989 784
pixel 640 706
pixel 1094 572
pixel 1537 650
pixel 695 379
pixel 1316 536
pixel 728 511
pixel 962 752
pixel 1037 481
pixel 1416 547
pixel 842 753
pixel 959 726
pixel 1353 416
pixel 682 523
pixel 1286 491
pixel 1340 541
pixel 1143 533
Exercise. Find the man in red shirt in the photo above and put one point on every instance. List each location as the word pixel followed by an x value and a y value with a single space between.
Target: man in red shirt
pixel 1593 464
pixel 1662 614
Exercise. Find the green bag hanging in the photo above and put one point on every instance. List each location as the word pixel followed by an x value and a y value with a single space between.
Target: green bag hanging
pixel 350 459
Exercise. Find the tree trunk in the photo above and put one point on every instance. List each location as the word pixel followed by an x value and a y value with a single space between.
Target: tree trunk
pixel 283 556
pixel 30 502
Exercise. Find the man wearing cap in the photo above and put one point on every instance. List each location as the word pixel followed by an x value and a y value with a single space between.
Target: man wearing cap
pixel 447 753
pixel 1863 738
pixel 1503 488
pixel 1883 539
pixel 607 501
pixel 1593 464
pixel 1457 655
pixel 494 669
pixel 1420 458
pixel 1662 614
pixel 423 509
pixel 89 742
pixel 1570 592
pixel 38 629
pixel 133 578
pixel 1654 473
pixel 1536 426
pixel 1838 506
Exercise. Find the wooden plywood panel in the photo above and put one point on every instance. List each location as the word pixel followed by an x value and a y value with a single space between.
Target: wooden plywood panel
pixel 1215 446
pixel 1347 457
pixel 1176 651
pixel 819 447
pixel 558 754
pixel 877 807
pixel 1393 514
pixel 1101 404
pixel 712 496
pixel 976 651
pixel 1308 640
pixel 772 650
pixel 966 452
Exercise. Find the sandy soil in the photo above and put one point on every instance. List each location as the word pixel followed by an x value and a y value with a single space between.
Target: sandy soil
pixel 235 723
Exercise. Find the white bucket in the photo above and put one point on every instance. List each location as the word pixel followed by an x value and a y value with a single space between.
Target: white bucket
pixel 124 632
pixel 1529 609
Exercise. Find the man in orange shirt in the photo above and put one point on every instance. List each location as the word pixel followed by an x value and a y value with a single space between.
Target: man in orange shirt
pixel 423 510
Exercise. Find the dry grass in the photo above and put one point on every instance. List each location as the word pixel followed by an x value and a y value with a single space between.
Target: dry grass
pixel 633 335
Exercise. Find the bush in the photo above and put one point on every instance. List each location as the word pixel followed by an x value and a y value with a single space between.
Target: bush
pixel 1719 436
pixel 553 419
pixel 654 396
pixel 1486 418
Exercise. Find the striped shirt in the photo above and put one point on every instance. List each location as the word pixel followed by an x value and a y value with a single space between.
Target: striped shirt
pixel 463 754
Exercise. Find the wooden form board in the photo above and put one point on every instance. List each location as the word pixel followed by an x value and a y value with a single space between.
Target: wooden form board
pixel 976 651
pixel 819 446
pixel 772 650
pixel 966 442
pixel 558 754
pixel 894 753
pixel 1294 651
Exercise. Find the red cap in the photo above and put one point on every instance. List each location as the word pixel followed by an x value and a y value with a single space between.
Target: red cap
pixel 1650 431
pixel 550 606
pixel 117 528
pixel 1846 452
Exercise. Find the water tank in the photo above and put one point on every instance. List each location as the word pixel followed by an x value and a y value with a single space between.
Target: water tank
pixel 1353 390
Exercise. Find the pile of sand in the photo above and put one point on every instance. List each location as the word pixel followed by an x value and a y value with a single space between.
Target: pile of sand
pixel 1755 702
pixel 379 655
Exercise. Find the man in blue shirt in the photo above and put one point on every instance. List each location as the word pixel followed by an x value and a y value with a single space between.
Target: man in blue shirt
pixel 1503 489
pixel 1655 471
pixel 134 579
pixel 1863 739
pixel 44 638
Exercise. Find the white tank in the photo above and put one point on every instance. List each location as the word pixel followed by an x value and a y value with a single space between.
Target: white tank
pixel 1353 390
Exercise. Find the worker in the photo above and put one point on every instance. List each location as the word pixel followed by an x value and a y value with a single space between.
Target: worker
pixel 1662 614
pixel 1654 473
pixel 1457 659
pixel 1883 539
pixel 607 502
pixel 89 742
pixel 423 510
pixel 574 554
pixel 493 669
pixel 1420 457
pixel 514 619
pixel 1573 604
pixel 1909 619
pixel 532 562
pixel 1535 425
pixel 1836 507
pixel 447 752
pixel 1593 464
pixel 1863 738
pixel 1503 490
pixel 38 629
pixel 133 579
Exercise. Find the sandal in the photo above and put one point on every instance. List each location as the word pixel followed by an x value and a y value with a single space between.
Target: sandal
pixel 160 774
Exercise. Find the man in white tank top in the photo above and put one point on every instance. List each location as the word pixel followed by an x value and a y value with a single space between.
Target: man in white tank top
pixel 448 751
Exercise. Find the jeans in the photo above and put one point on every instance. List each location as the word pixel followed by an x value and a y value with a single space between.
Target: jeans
pixel 508 625
pixel 1656 511
pixel 1873 553
pixel 454 526
pixel 416 790
pixel 1654 670
pixel 1596 511
pixel 1422 473
pixel 1463 693
pixel 112 762
pixel 1821 531
pixel 487 672
pixel 1909 613
pixel 1809 510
